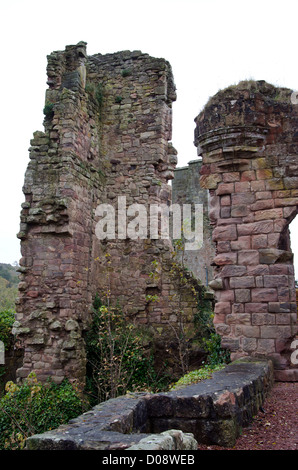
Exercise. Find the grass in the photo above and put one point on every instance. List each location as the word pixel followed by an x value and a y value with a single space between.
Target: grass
pixel 196 376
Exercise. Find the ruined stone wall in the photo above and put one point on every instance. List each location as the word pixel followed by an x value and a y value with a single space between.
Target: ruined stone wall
pixel 247 137
pixel 186 190
pixel 107 133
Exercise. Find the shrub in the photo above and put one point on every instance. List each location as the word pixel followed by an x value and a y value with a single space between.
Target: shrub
pixel 8 294
pixel 48 110
pixel 33 408
pixel 96 92
pixel 119 357
pixel 208 339
pixel 216 354
pixel 7 319
pixel 126 72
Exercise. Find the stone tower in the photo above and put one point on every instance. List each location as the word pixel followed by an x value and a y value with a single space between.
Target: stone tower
pixel 108 130
pixel 247 138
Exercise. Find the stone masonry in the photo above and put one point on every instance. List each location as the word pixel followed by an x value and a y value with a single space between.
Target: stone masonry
pixel 107 140
pixel 212 411
pixel 107 134
pixel 247 138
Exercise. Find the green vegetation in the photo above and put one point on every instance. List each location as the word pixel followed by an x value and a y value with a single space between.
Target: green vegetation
pixel 8 272
pixel 29 408
pixel 8 287
pixel 7 319
pixel 207 337
pixel 33 408
pixel 274 92
pixel 119 357
pixel 48 110
pixel 97 93
pixel 126 72
pixel 195 376
pixel 202 334
pixel 8 293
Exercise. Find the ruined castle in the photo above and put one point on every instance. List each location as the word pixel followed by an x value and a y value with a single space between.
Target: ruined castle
pixel 107 133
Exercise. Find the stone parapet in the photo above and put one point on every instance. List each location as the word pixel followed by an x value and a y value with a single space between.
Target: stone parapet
pixel 212 411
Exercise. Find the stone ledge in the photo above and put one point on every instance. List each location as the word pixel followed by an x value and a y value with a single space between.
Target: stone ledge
pixel 212 411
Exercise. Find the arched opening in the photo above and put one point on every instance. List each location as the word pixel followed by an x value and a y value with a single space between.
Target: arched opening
pixel 293 235
pixel 288 239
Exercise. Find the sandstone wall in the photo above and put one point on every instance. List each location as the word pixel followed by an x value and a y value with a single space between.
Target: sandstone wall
pixel 107 133
pixel 247 137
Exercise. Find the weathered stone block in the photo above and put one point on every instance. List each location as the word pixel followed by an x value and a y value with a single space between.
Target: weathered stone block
pixel 291 182
pixel 223 233
pixel 239 211
pixel 249 344
pixel 242 282
pixel 242 199
pixel 273 255
pixel 264 295
pixel 259 241
pixel 162 405
pixel 252 307
pixel 242 295
pixel 230 343
pixel 225 188
pixel 222 308
pixel 231 177
pixel 242 243
pixel 242 187
pixel 283 318
pixel 266 345
pixel 275 281
pixel 225 295
pixel 255 228
pixel 210 181
pixel 193 407
pixel 274 184
pixel 278 331
pixel 246 257
pixel 225 200
pixel 259 270
pixel 279 307
pixel 223 259
pixel 223 247
pixel 268 214
pixel 233 270
pixel 262 204
pixel 238 307
pixel 248 175
pixel 240 318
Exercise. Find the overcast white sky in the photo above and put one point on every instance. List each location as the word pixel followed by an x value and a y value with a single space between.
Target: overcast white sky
pixel 210 44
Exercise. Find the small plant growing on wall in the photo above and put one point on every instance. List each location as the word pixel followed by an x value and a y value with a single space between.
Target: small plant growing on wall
pixel 126 72
pixel 97 94
pixel 48 110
